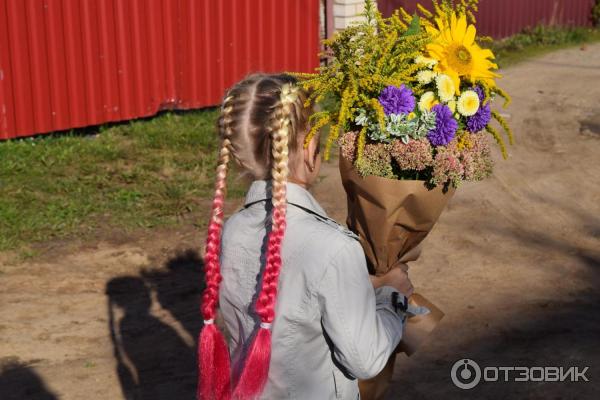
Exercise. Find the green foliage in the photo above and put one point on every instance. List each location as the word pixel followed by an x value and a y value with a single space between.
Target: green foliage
pixel 142 173
pixel 545 36
pixel 365 58
pixel 538 40
pixel 596 14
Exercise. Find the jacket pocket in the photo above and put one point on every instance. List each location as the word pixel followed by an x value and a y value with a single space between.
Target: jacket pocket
pixel 338 383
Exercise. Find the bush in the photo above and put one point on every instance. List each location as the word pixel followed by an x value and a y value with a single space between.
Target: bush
pixel 540 39
pixel 596 14
pixel 542 35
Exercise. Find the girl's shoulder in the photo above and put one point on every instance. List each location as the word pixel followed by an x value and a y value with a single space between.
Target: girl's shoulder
pixel 328 225
pixel 305 229
pixel 318 237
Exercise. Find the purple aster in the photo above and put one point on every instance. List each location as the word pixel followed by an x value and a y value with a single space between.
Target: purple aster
pixel 479 90
pixel 445 126
pixel 397 100
pixel 481 118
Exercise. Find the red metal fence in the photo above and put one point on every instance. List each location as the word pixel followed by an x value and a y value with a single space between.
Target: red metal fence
pixel 501 18
pixel 73 63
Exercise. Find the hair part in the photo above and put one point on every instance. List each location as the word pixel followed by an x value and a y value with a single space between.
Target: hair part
pixel 253 119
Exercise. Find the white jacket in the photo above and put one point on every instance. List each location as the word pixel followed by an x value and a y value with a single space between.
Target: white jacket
pixel 331 326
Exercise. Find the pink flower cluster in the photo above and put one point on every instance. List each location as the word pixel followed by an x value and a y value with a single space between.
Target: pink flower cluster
pixel 477 160
pixel 415 155
pixel 347 143
pixel 467 161
pixel 447 167
pixel 466 158
pixel 376 160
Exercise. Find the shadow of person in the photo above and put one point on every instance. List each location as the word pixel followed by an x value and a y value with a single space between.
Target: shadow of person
pixel 179 288
pixel 153 361
pixel 19 382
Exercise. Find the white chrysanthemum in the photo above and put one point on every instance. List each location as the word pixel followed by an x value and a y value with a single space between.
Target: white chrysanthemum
pixel 429 62
pixel 445 87
pixel 427 101
pixel 468 103
pixel 426 76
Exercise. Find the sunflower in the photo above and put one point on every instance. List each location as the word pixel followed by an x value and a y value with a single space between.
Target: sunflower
pixel 458 54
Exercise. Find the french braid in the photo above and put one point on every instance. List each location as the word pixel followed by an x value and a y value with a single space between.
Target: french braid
pixel 266 301
pixel 261 112
pixel 213 356
pixel 256 370
pixel 213 241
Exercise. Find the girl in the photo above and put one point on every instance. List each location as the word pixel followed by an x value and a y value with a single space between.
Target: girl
pixel 304 319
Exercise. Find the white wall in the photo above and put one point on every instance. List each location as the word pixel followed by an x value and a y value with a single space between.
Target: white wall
pixel 347 11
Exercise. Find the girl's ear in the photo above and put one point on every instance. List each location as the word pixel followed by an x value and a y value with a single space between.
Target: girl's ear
pixel 311 152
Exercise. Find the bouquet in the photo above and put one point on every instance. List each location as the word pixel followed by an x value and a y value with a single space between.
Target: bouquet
pixel 413 95
pixel 411 109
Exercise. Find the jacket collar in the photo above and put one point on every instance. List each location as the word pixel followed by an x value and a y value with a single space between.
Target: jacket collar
pixel 261 190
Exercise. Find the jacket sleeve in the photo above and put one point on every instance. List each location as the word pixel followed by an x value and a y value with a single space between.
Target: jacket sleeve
pixel 360 321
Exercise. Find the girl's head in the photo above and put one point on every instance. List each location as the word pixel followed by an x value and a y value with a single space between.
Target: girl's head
pixel 263 126
pixel 252 111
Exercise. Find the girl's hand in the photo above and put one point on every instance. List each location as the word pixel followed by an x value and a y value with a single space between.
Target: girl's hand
pixel 396 278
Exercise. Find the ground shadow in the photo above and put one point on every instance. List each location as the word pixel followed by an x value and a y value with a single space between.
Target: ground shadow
pixel 561 331
pixel 156 361
pixel 564 334
pixel 20 382
pixel 178 287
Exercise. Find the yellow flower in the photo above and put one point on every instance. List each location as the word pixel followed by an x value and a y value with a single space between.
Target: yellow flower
pixel 426 76
pixel 445 87
pixel 464 141
pixel 452 106
pixel 427 101
pixel 458 54
pixel 429 62
pixel 468 103
pixel 411 116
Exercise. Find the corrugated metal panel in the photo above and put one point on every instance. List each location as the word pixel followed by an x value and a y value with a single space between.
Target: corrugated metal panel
pixel 73 63
pixel 501 18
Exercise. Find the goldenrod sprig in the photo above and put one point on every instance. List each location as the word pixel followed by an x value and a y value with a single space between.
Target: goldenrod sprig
pixel 504 126
pixel 498 139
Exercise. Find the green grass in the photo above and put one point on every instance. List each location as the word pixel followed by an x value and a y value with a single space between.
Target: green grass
pixel 540 40
pixel 140 174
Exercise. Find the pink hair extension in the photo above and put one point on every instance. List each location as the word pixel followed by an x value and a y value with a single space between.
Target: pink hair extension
pixel 256 370
pixel 213 355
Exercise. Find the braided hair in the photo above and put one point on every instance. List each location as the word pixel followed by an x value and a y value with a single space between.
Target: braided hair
pixel 260 122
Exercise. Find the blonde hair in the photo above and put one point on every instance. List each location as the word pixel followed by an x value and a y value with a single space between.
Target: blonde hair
pixel 261 123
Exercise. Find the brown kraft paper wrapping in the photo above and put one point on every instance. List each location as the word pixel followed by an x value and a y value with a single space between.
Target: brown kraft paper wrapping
pixel 392 217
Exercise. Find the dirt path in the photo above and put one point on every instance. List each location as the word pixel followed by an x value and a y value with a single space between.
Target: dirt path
pixel 514 262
